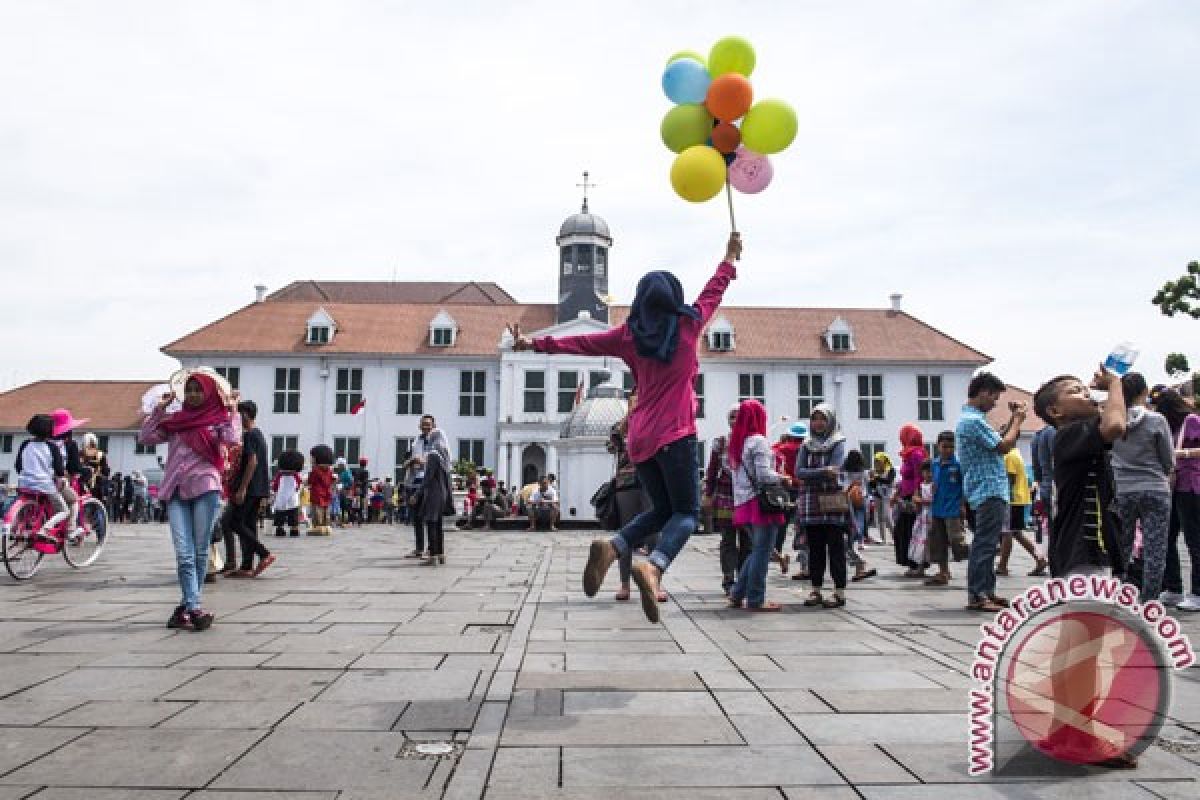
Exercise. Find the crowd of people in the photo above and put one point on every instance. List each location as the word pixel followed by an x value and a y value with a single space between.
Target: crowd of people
pixel 1115 482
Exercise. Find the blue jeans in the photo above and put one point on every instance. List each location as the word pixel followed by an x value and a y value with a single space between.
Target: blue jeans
pixel 751 584
pixel 981 561
pixel 670 480
pixel 191 530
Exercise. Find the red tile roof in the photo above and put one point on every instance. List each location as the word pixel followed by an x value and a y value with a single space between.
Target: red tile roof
pixel 110 405
pixel 999 415
pixel 403 329
pixel 391 292
pixel 362 328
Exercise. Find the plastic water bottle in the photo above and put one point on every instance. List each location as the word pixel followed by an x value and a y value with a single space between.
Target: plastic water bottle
pixel 1121 359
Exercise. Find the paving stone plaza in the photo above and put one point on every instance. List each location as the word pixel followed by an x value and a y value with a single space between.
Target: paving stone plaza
pixel 323 678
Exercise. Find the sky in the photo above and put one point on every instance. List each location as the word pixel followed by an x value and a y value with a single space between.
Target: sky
pixel 1026 173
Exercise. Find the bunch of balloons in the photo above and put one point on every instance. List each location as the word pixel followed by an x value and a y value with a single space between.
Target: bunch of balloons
pixel 717 129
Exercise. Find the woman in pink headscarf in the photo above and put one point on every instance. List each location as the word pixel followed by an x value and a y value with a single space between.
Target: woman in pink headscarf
pixel 752 463
pixel 196 436
pixel 912 455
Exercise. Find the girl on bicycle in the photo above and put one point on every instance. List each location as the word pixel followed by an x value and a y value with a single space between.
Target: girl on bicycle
pixel 40 467
pixel 64 424
pixel 191 484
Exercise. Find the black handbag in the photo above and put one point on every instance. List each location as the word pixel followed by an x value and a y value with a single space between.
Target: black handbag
pixel 605 503
pixel 773 498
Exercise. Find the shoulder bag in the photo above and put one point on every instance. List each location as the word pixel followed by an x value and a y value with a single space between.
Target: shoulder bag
pixel 773 498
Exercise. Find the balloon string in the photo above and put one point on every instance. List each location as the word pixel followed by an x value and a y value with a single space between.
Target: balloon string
pixel 729 197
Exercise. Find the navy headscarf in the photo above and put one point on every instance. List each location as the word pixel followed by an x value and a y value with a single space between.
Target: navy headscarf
pixel 654 316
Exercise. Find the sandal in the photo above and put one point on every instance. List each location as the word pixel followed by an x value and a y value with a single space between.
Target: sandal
pixel 835 600
pixel 622 594
pixel 765 607
pixel 661 596
pixel 814 598
pixel 871 573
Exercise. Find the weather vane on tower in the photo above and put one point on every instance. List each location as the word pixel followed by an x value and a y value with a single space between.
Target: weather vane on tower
pixel 585 186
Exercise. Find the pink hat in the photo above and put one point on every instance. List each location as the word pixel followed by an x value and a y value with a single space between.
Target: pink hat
pixel 64 421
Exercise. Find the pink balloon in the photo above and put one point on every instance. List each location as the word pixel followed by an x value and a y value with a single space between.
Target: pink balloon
pixel 750 172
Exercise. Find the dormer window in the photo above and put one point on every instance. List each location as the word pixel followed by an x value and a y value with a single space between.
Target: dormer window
pixel 839 336
pixel 443 330
pixel 320 328
pixel 721 336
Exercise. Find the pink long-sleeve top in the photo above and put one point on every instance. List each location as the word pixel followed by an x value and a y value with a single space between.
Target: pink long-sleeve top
pixel 910 472
pixel 186 470
pixel 666 399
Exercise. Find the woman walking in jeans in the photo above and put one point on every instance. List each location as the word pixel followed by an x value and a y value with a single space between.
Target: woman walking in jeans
pixel 191 487
pixel 750 458
pixel 658 342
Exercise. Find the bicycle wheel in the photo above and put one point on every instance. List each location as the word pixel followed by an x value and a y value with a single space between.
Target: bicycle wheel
pixel 20 558
pixel 81 551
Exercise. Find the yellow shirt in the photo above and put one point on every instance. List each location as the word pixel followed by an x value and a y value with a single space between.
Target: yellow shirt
pixel 1014 465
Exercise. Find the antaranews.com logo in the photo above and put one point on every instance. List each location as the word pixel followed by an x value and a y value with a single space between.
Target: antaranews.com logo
pixel 1075 669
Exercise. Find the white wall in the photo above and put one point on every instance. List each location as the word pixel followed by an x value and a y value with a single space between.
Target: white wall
pixel 377 425
pixel 841 390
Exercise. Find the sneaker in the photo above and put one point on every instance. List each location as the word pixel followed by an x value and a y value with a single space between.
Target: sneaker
pixel 180 619
pixel 1190 603
pixel 1170 598
pixel 201 620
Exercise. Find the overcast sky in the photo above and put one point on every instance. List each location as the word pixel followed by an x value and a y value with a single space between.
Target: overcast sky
pixel 1026 173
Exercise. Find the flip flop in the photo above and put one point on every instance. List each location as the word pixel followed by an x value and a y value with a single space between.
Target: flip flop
pixel 765 607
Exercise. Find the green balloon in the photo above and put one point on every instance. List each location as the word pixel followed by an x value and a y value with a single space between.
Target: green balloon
pixel 685 54
pixel 769 127
pixel 686 125
pixel 731 54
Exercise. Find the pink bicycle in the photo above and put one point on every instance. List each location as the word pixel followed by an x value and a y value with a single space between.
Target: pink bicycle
pixel 24 544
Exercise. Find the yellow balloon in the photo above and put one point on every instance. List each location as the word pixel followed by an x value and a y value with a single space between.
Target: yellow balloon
pixel 686 54
pixel 731 54
pixel 698 173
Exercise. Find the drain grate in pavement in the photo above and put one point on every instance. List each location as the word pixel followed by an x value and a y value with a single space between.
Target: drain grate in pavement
pixel 906 630
pixel 1181 746
pixel 419 751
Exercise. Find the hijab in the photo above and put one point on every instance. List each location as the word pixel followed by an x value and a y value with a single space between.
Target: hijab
pixel 911 439
pixel 654 315
pixel 751 421
pixel 831 438
pixel 194 425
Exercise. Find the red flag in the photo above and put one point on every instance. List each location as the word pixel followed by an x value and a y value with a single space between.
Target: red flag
pixel 357 407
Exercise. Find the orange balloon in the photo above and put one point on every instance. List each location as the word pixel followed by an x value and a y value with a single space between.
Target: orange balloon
pixel 729 96
pixel 726 137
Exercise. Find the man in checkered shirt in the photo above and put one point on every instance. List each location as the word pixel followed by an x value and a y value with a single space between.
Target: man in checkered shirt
pixel 981 452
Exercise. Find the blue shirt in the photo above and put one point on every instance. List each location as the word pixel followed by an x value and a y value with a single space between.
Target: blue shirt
pixel 948 489
pixel 984 476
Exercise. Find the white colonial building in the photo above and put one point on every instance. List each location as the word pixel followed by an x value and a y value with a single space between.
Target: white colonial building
pixel 313 352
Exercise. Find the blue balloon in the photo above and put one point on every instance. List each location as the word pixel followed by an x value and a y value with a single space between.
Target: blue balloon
pixel 729 158
pixel 686 81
